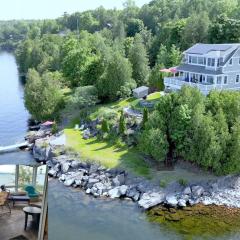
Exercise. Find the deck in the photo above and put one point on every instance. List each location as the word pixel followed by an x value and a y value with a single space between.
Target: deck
pixel 12 225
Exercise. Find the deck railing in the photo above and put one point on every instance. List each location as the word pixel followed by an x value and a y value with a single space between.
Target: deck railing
pixel 178 82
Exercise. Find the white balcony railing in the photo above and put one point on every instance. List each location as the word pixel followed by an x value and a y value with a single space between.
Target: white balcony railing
pixel 178 82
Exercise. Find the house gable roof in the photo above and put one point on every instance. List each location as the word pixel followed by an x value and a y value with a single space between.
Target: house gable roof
pixel 201 48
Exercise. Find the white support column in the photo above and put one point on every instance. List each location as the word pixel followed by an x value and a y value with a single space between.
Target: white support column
pixel 16 177
pixel 43 218
pixel 34 176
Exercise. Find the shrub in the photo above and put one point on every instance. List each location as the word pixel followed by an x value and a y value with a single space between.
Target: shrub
pixel 183 182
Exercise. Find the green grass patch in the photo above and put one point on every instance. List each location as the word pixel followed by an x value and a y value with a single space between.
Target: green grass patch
pixel 106 153
pixel 154 96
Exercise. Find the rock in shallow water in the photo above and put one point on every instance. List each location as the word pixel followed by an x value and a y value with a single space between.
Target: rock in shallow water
pixel 149 200
pixel 171 200
pixel 197 191
pixel 114 193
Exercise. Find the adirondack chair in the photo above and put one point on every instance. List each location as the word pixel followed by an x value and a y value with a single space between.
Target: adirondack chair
pixel 4 200
pixel 31 191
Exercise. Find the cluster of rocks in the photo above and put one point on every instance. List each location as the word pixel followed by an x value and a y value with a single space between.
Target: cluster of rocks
pixel 32 136
pixel 95 179
pixel 113 183
pixel 89 128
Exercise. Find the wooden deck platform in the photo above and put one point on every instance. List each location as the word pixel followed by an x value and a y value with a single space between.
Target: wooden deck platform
pixel 12 225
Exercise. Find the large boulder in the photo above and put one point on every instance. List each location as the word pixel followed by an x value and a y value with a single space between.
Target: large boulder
pixel 149 200
pixel 133 193
pixel 123 189
pixel 65 165
pixel 171 200
pixel 187 191
pixel 41 150
pixel 197 191
pixel 182 203
pixel 93 168
pixel 114 193
pixel 119 180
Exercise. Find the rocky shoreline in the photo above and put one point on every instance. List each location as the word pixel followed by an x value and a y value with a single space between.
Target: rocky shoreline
pixel 98 181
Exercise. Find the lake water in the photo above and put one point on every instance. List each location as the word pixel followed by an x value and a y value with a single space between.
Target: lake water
pixel 73 215
pixel 13 115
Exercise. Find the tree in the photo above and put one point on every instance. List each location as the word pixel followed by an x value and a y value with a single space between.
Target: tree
pixel 156 77
pixel 83 97
pixel 232 165
pixel 154 143
pixel 145 117
pixel 122 124
pixel 42 95
pixel 134 26
pixel 139 59
pixel 117 79
pixel 225 29
pixel 105 126
pixel 196 29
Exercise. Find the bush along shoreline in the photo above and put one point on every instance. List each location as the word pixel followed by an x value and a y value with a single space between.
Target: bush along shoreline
pixel 99 181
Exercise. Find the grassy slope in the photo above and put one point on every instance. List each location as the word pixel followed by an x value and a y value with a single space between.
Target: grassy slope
pixel 106 153
pixel 103 152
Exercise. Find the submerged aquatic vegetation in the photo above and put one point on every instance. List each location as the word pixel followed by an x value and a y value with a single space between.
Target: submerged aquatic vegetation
pixel 192 222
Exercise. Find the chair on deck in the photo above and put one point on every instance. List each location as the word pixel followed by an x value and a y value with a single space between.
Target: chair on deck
pixel 31 191
pixel 4 200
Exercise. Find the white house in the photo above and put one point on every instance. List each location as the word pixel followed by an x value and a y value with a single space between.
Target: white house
pixel 208 67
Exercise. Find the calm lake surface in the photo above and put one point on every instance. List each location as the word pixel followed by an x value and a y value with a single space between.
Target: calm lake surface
pixel 13 115
pixel 73 215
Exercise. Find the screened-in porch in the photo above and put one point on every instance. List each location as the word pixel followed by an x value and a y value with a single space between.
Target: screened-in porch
pixel 23 213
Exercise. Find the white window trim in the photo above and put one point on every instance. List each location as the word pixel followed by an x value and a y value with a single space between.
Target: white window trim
pixel 238 75
pixel 225 76
pixel 197 56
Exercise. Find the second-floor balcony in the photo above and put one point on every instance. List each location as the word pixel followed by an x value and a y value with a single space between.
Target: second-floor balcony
pixel 177 82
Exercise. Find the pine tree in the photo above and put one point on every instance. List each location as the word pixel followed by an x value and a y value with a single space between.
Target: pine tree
pixel 139 60
pixel 122 124
pixel 145 117
pixel 105 126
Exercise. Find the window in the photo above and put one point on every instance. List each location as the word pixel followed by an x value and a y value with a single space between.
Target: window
pixel 239 61
pixel 211 62
pixel 230 61
pixel 237 79
pixel 219 80
pixel 210 79
pixel 201 60
pixel 225 79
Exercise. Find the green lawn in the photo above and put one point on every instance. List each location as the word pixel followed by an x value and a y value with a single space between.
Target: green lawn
pixel 154 96
pixel 107 154
pixel 104 152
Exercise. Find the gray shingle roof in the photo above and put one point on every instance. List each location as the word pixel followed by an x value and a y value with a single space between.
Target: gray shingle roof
pixel 140 89
pixel 201 48
pixel 197 69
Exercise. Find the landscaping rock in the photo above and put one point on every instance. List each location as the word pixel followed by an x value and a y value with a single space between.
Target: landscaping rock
pixel 93 168
pixel 182 203
pixel 171 200
pixel 65 166
pixel 149 200
pixel 197 191
pixel 123 190
pixel 187 191
pixel 119 180
pixel 114 193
